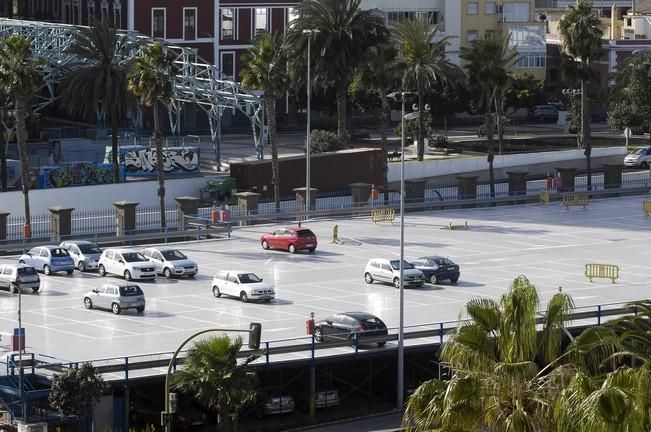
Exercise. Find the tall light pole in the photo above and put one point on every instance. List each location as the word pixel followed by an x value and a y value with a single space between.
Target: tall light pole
pixel 308 145
pixel 20 355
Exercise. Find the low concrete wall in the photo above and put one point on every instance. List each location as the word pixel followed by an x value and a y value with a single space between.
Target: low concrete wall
pixel 445 170
pixel 99 197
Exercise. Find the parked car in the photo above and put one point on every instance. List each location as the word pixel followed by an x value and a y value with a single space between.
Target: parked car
pixel 543 114
pixel 171 262
pixel 49 259
pixel 346 325
pixel 116 297
pixel 272 402
pixel 127 263
pixel 18 277
pixel 324 397
pixel 291 239
pixel 245 285
pixel 384 270
pixel 437 268
pixel 640 157
pixel 85 254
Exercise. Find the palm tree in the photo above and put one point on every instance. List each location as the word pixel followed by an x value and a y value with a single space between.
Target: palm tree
pixel 266 69
pixel 487 62
pixel 99 82
pixel 150 80
pixel 422 50
pixel 345 32
pixel 20 79
pixel 213 377
pixel 500 367
pixel 580 31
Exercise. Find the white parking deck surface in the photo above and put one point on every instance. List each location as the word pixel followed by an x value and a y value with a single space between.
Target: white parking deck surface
pixel 547 243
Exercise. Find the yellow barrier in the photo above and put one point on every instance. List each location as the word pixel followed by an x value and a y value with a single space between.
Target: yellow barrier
pixel 605 271
pixel 383 215
pixel 575 199
pixel 543 196
pixel 335 234
pixel 646 207
pixel 456 227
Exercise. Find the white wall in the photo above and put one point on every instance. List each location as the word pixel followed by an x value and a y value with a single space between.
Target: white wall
pixel 100 196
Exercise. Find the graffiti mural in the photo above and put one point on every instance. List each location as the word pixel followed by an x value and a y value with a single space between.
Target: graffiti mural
pixel 176 160
pixel 76 174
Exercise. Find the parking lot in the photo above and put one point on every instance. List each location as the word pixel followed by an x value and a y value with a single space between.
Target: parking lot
pixel 547 243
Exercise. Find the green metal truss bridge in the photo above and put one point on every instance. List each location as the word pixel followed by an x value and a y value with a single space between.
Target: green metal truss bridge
pixel 196 81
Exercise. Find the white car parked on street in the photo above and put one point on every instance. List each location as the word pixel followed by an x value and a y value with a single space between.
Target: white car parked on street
pixel 245 285
pixel 171 262
pixel 127 263
pixel 384 270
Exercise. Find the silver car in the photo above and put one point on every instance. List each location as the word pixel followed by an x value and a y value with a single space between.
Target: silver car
pixel 48 259
pixel 171 262
pixel 116 297
pixel 85 254
pixel 18 277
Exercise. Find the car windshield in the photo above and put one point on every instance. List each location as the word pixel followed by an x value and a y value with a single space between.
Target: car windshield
pixel 395 264
pixel 372 323
pixel 26 271
pixel 305 233
pixel 639 150
pixel 131 290
pixel 133 257
pixel 89 248
pixel 248 278
pixel 173 255
pixel 59 253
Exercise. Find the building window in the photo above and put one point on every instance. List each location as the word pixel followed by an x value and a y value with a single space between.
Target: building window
pixel 189 23
pixel 490 33
pixel 158 24
pixel 472 8
pixel 472 35
pixel 292 15
pixel 531 61
pixel 490 8
pixel 429 16
pixel 528 37
pixel 228 24
pixel 516 12
pixel 228 65
pixel 260 18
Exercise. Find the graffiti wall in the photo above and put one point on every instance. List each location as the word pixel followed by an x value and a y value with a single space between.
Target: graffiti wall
pixel 176 161
pixel 76 174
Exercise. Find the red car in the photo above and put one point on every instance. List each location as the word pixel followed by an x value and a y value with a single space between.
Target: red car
pixel 291 239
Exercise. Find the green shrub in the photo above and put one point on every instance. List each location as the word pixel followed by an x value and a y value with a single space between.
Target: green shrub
pixel 324 141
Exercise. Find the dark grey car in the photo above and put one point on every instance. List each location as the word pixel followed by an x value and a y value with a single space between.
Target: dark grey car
pixel 116 297
pixel 345 326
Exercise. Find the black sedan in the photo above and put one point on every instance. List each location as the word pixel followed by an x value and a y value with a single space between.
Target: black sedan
pixel 344 326
pixel 437 268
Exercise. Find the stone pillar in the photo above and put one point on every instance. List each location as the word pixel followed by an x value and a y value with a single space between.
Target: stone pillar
pixel 247 203
pixel 125 213
pixel 3 225
pixel 467 187
pixel 517 182
pixel 60 222
pixel 301 199
pixel 361 192
pixel 613 176
pixel 567 179
pixel 186 206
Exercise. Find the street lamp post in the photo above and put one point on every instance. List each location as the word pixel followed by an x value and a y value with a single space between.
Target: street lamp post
pixel 21 375
pixel 308 145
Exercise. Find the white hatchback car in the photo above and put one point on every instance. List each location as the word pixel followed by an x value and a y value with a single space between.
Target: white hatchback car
pixel 641 157
pixel 127 263
pixel 171 262
pixel 384 270
pixel 245 285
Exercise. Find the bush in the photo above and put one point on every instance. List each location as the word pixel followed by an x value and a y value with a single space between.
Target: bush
pixel 324 141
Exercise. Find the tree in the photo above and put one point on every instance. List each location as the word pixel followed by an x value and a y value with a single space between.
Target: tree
pixel 266 69
pixel 20 78
pixel 422 51
pixel 99 81
pixel 580 31
pixel 345 32
pixel 76 390
pixel 215 379
pixel 150 80
pixel 487 62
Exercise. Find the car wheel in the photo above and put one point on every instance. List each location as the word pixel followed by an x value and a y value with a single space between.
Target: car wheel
pixel 13 289
pixel 265 244
pixel 644 165
pixel 433 279
pixel 127 275
pixel 244 297
pixel 381 344
pixel 69 271
pixel 167 273
pixel 140 309
pixel 81 266
pixel 291 248
pixel 88 303
pixel 115 308
pixel 454 279
pixel 35 290
pixel 318 335
pixel 47 270
pixel 311 250
pixel 396 282
pixel 216 292
pixel 101 270
pixel 368 278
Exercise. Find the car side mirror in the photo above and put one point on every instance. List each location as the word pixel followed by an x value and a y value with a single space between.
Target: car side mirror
pixel 261 279
pixel 237 282
pixel 95 290
pixel 121 261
